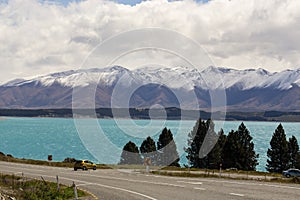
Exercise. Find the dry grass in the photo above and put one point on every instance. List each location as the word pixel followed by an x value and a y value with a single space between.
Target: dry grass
pixel 32 189
pixel 258 176
pixel 9 158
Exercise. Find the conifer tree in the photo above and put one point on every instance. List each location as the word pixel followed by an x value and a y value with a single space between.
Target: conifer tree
pixel 148 149
pixel 239 150
pixel 278 154
pixel 216 154
pixel 195 140
pixel 130 154
pixel 294 152
pixel 167 150
pixel 202 151
pixel 297 163
pixel 231 151
pixel 210 151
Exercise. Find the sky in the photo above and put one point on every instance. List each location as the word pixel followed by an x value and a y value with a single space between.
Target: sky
pixel 40 37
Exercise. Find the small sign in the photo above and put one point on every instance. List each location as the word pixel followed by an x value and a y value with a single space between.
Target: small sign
pixel 49 157
pixel 147 161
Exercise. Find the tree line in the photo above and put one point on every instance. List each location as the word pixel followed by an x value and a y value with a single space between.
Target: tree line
pixel 162 154
pixel 210 150
pixel 283 153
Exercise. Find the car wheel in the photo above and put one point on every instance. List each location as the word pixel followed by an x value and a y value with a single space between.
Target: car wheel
pixel 94 168
pixel 288 175
pixel 84 168
pixel 75 169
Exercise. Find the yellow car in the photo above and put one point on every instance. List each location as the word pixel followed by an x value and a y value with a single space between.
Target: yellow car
pixel 84 165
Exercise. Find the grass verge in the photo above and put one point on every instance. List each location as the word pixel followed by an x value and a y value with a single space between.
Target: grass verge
pixel 278 179
pixel 15 187
pixel 9 158
pixel 230 171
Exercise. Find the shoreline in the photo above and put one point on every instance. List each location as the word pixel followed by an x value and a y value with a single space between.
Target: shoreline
pixel 169 119
pixel 160 114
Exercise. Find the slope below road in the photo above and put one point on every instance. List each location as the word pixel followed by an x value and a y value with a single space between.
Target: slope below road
pixel 126 184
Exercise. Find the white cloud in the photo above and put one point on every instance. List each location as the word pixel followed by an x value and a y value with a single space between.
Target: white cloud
pixel 40 38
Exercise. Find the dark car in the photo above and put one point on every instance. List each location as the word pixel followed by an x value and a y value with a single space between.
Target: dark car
pixel 291 173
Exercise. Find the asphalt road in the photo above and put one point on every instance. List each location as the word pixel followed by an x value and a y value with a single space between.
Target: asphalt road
pixel 130 185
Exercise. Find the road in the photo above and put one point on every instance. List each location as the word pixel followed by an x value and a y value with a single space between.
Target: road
pixel 130 185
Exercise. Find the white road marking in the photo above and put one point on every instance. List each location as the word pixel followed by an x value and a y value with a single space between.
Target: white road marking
pixel 67 170
pixel 116 188
pixel 84 184
pixel 125 190
pixel 190 182
pixel 135 181
pixel 122 179
pixel 101 185
pixel 236 194
pixel 197 188
pixel 235 182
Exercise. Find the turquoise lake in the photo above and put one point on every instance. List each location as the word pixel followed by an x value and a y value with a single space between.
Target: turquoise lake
pixel 102 140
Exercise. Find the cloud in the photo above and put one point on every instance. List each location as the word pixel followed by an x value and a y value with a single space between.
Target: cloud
pixel 38 38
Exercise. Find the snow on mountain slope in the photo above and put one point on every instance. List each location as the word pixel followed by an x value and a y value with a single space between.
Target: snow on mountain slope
pixel 177 77
pixel 78 78
pixel 248 90
pixel 250 78
pixel 14 82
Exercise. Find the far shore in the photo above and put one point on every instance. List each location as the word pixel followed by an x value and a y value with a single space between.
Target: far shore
pixel 171 113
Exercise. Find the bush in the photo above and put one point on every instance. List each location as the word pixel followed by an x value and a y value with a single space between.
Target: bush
pixel 69 160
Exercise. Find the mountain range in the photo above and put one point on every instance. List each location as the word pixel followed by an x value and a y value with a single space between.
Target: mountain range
pixel 187 88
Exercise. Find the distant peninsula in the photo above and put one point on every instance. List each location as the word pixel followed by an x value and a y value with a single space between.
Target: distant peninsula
pixel 171 113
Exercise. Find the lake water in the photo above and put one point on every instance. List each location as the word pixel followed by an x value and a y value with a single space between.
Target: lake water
pixel 102 140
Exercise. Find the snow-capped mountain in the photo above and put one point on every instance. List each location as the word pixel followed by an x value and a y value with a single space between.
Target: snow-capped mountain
pixel 245 89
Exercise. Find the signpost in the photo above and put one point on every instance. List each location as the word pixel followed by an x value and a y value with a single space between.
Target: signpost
pixel 147 163
pixel 50 158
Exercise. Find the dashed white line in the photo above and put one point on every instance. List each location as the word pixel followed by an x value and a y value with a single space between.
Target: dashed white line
pixel 189 182
pixel 236 194
pixel 136 181
pixel 197 188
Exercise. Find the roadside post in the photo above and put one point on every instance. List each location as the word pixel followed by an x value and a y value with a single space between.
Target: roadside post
pixel 49 158
pixel 189 165
pixel 57 181
pixel 75 191
pixel 220 172
pixel 147 163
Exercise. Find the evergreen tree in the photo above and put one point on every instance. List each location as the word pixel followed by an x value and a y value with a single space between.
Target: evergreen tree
pixel 130 154
pixel 297 163
pixel 167 150
pixel 195 140
pixel 210 151
pixel 148 149
pixel 194 145
pixel 216 154
pixel 231 151
pixel 202 151
pixel 278 154
pixel 239 150
pixel 294 152
pixel 249 158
